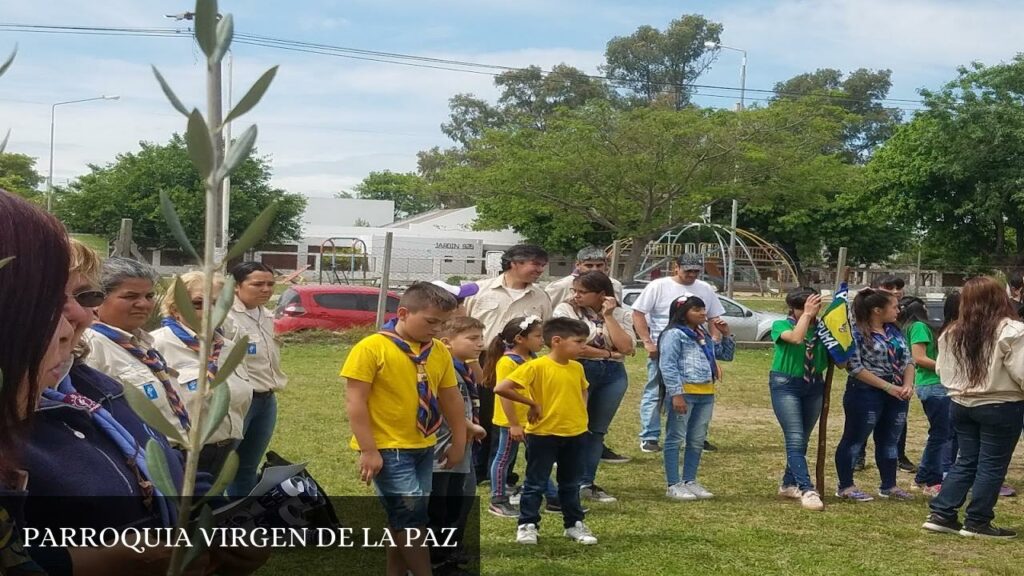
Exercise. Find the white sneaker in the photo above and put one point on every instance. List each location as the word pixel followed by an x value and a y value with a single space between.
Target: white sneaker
pixel 579 533
pixel 526 534
pixel 811 500
pixel 679 492
pixel 516 497
pixel 699 491
pixel 789 492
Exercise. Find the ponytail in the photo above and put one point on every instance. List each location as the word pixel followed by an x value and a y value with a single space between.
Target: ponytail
pixel 495 350
pixel 502 342
pixel 867 300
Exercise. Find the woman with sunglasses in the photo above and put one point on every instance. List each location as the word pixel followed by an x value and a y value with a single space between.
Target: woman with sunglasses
pixel 179 346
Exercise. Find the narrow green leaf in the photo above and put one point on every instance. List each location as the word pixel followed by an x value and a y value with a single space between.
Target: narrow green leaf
pixel 225 32
pixel 239 151
pixel 3 143
pixel 171 216
pixel 203 524
pixel 235 357
pixel 151 415
pixel 224 478
pixel 206 26
pixel 252 97
pixel 200 146
pixel 216 411
pixel 254 233
pixel 156 461
pixel 170 93
pixel 183 300
pixel 224 302
pixel 10 59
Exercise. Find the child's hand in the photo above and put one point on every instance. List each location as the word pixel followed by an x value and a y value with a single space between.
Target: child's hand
pixel 812 306
pixel 679 404
pixel 534 415
pixel 370 463
pixel 475 432
pixel 722 326
pixel 517 433
pixel 453 456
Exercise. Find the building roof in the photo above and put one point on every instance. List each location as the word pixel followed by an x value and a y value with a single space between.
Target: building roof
pixel 426 217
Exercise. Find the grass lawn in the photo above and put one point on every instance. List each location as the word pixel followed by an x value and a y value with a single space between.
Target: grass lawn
pixel 745 529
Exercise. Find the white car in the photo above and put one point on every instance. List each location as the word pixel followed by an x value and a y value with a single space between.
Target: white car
pixel 746 324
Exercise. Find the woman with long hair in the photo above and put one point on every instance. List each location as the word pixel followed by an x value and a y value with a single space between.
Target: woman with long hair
pixel 981 363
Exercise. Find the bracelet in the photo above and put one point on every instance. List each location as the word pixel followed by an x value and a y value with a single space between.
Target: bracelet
pixel 888 386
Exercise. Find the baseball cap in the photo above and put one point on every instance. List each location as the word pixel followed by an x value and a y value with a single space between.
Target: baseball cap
pixel 690 262
pixel 460 292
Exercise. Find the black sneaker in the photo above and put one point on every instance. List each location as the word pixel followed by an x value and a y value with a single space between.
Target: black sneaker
pixel 649 446
pixel 937 523
pixel 709 447
pixel 503 510
pixel 610 457
pixel 987 531
pixel 906 465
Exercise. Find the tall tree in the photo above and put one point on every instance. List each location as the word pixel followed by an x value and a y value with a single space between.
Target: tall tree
pixel 18 175
pixel 405 190
pixel 129 187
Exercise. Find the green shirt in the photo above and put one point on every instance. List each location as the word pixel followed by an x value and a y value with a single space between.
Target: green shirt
pixel 921 333
pixel 789 358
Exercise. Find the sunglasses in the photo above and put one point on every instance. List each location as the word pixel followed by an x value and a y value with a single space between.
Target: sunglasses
pixel 90 298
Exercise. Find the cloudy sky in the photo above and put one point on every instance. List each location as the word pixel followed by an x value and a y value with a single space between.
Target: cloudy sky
pixel 328 121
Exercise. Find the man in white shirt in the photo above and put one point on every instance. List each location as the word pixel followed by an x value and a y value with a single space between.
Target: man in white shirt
pixel 589 259
pixel 650 317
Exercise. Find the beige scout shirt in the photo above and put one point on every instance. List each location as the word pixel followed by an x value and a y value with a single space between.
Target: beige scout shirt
pixel 110 358
pixel 1004 381
pixel 186 362
pixel 561 290
pixel 495 305
pixel 263 361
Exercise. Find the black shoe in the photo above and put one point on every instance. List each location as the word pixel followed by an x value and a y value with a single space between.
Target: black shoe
pixel 709 447
pixel 556 507
pixel 610 457
pixel 649 446
pixel 859 465
pixel 906 465
pixel 987 531
pixel 512 479
pixel 937 523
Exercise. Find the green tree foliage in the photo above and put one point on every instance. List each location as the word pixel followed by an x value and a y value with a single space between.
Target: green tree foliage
pixel 130 186
pixel 18 175
pixel 406 190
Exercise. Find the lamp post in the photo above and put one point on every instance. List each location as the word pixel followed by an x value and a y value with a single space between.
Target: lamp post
pixel 53 115
pixel 731 268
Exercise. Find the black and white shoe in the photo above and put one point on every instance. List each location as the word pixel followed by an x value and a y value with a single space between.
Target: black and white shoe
pixel 987 531
pixel 649 446
pixel 937 523
pixel 608 456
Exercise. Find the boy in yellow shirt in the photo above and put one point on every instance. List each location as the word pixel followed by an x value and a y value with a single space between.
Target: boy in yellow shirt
pixel 400 382
pixel 555 389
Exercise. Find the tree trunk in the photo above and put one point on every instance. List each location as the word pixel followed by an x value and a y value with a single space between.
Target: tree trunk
pixel 1000 236
pixel 636 254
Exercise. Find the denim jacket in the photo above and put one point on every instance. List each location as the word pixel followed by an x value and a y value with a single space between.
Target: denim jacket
pixel 682 360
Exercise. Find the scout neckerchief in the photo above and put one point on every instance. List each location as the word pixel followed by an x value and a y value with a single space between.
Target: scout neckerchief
pixel 134 454
pixel 516 357
pixel 156 364
pixel 474 392
pixel 597 319
pixel 189 339
pixel 895 348
pixel 428 414
pixel 809 345
pixel 707 345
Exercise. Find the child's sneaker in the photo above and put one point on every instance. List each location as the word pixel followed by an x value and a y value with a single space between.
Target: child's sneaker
pixel 810 500
pixel 679 492
pixel 526 534
pixel 699 491
pixel 503 510
pixel 855 494
pixel 580 533
pixel 790 492
pixel 597 494
pixel 931 491
pixel 516 496
pixel 895 493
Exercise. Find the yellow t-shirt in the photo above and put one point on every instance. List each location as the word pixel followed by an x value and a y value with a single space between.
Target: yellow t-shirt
pixel 558 388
pixel 393 399
pixel 506 366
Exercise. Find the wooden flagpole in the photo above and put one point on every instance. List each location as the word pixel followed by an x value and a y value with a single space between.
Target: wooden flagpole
pixel 819 483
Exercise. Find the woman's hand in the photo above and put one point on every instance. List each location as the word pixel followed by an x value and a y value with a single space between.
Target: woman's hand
pixel 609 305
pixel 679 404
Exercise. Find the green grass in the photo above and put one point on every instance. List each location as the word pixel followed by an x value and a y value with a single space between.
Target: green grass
pixel 765 304
pixel 744 530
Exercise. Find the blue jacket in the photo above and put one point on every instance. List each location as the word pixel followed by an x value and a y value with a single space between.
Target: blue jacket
pixel 682 360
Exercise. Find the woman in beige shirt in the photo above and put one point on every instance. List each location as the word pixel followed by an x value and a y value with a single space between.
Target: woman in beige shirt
pixel 981 363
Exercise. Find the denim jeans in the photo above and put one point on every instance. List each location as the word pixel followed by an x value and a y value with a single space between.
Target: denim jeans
pixel 404 484
pixel 987 436
pixel 506 453
pixel 797 406
pixel 446 508
pixel 542 454
pixel 869 409
pixel 689 430
pixel 935 460
pixel 257 431
pixel 607 387
pixel 650 419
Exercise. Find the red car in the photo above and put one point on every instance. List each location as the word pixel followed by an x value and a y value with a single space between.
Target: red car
pixel 330 307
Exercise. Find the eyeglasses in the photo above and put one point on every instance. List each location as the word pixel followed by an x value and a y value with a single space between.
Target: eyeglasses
pixel 90 298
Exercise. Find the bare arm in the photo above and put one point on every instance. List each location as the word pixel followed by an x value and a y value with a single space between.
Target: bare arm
pixel 357 394
pixel 452 407
pixel 920 353
pixel 644 333
pixel 622 340
pixel 510 390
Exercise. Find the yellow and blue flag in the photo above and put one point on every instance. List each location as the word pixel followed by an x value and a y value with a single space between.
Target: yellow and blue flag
pixel 834 328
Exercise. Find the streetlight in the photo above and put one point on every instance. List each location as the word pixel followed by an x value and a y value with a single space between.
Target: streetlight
pixel 53 112
pixel 731 268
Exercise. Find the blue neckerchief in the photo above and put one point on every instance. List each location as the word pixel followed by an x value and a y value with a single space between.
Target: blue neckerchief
pixel 125 442
pixel 428 414
pixel 706 344
pixel 474 392
pixel 517 358
pixel 896 349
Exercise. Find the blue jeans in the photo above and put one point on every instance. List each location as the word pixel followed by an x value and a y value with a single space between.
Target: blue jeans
pixel 869 409
pixel 404 484
pixel 936 458
pixel 256 434
pixel 505 455
pixel 797 406
pixel 987 436
pixel 689 429
pixel 650 419
pixel 542 454
pixel 607 387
